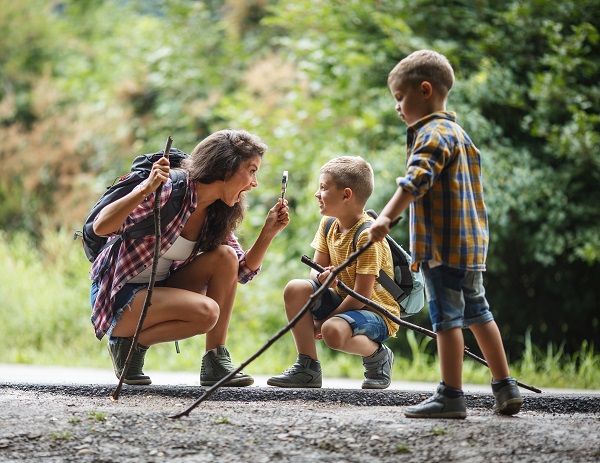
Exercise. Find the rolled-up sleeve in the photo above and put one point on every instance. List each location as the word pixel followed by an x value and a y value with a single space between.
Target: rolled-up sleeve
pixel 245 274
pixel 429 154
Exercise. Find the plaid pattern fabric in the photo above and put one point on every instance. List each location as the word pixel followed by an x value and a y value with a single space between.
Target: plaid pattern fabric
pixel 112 270
pixel 448 219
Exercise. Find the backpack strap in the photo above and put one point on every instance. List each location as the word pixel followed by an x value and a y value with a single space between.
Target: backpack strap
pixel 167 212
pixel 327 227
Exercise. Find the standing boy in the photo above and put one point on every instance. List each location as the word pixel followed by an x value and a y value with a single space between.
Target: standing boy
pixel 449 231
pixel 344 323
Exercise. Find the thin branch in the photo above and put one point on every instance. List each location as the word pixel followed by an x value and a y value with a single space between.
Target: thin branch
pixel 148 301
pixel 382 310
pixel 311 300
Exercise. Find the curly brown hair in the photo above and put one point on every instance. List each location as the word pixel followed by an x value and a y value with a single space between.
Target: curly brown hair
pixel 217 158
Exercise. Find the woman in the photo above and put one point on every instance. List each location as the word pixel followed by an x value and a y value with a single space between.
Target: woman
pixel 201 260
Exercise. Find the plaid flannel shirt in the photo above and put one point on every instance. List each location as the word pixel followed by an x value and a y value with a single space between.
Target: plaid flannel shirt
pixel 448 219
pixel 112 270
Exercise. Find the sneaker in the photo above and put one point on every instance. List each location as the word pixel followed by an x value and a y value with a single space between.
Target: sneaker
pixel 378 369
pixel 119 349
pixel 217 366
pixel 306 372
pixel 508 397
pixel 438 406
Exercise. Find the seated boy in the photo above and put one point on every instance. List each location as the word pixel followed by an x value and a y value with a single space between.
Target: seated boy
pixel 344 323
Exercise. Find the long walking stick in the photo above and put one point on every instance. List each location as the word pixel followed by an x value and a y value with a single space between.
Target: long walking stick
pixel 383 311
pixel 148 301
pixel 311 301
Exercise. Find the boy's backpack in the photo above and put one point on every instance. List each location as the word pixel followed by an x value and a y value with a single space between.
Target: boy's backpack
pixel 140 171
pixel 407 286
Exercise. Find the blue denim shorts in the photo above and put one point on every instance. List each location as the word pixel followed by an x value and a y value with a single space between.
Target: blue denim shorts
pixel 456 298
pixel 365 322
pixel 122 299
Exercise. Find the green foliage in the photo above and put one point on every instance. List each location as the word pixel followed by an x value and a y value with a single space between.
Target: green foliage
pixel 87 85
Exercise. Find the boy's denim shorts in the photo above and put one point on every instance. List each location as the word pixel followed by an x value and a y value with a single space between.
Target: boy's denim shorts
pixel 122 299
pixel 456 298
pixel 363 322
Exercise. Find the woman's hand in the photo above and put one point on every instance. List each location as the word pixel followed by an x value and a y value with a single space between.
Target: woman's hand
pixel 158 175
pixel 277 218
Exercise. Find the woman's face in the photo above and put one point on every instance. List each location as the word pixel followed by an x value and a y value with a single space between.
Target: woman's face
pixel 243 180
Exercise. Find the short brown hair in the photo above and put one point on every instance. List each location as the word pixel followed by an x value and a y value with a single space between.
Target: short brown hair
pixel 351 172
pixel 423 65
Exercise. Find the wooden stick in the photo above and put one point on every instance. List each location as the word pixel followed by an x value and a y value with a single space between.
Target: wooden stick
pixel 148 301
pixel 383 311
pixel 311 301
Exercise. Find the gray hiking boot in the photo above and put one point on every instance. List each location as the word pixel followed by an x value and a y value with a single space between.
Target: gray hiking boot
pixel 508 397
pixel 118 349
pixel 306 372
pixel 217 366
pixel 438 406
pixel 378 369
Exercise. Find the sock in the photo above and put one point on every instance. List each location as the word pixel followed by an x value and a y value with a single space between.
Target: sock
pixel 497 385
pixel 376 351
pixel 452 393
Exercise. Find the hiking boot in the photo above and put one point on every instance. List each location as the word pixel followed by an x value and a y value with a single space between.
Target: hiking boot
pixel 438 406
pixel 217 366
pixel 306 372
pixel 508 397
pixel 119 349
pixel 378 368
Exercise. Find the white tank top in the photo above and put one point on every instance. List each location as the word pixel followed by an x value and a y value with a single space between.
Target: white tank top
pixel 180 250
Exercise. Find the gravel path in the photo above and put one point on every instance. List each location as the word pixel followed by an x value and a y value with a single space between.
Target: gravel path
pixel 58 423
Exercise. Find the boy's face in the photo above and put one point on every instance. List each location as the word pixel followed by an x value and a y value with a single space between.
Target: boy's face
pixel 411 101
pixel 330 197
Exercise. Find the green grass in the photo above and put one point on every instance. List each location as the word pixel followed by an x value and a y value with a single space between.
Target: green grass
pixel 45 321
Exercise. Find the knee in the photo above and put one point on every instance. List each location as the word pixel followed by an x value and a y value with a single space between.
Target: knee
pixel 226 260
pixel 205 315
pixel 295 294
pixel 334 333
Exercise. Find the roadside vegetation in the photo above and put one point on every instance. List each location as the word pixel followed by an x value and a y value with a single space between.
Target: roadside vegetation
pixel 58 331
pixel 86 85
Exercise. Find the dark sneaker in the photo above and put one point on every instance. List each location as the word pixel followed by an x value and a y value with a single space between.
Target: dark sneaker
pixel 119 349
pixel 217 366
pixel 508 397
pixel 438 406
pixel 306 372
pixel 378 369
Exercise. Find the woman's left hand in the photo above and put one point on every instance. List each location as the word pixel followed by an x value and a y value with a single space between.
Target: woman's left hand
pixel 278 217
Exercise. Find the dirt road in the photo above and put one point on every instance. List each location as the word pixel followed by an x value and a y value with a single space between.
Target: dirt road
pixel 63 423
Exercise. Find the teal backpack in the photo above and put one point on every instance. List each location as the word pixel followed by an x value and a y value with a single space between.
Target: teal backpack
pixel 407 286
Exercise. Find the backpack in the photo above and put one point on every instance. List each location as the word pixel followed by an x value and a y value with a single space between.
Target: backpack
pixel 407 286
pixel 140 171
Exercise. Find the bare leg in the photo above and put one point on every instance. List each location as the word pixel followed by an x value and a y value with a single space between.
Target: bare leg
pixel 337 334
pixel 490 342
pixel 173 315
pixel 295 295
pixel 451 346
pixel 214 274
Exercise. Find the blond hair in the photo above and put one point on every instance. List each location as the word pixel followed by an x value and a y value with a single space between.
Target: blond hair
pixel 423 65
pixel 351 172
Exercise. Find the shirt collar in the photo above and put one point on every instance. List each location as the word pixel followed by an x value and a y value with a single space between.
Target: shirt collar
pixel 448 115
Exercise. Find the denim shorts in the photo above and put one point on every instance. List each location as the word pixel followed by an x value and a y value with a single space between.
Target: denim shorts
pixel 456 298
pixel 365 322
pixel 122 299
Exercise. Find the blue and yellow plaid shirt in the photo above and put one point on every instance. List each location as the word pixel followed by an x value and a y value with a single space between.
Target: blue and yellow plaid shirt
pixel 448 219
